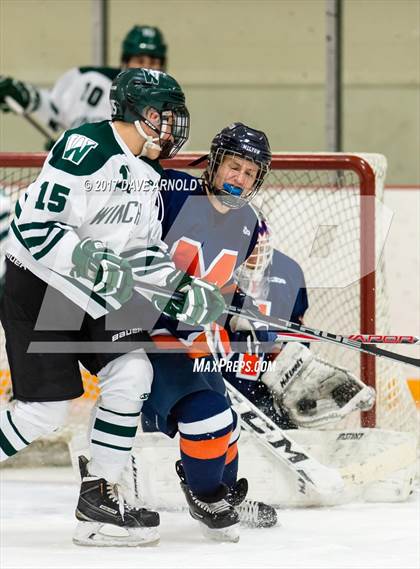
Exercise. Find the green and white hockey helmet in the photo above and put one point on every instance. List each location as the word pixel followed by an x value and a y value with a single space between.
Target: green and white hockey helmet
pixel 135 91
pixel 144 40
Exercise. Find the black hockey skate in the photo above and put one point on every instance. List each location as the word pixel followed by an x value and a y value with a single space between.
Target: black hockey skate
pixel 252 514
pixel 218 520
pixel 102 506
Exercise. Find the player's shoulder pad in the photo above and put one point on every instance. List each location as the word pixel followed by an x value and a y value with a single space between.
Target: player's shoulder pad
pixel 84 150
pixel 110 72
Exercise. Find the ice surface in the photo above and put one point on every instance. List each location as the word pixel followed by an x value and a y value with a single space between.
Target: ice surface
pixel 37 522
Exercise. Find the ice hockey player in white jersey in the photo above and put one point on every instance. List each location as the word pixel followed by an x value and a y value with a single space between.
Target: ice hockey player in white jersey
pixel 81 95
pixel 301 390
pixel 84 233
pixel 4 228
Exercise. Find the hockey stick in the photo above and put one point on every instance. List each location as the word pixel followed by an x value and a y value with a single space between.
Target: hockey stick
pixel 347 342
pixel 281 324
pixel 19 110
pixel 364 338
pixel 323 479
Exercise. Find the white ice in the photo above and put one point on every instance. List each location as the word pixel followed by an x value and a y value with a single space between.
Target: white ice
pixel 37 521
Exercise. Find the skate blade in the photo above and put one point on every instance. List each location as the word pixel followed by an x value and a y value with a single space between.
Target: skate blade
pixel 259 523
pixel 229 534
pixel 265 524
pixel 95 534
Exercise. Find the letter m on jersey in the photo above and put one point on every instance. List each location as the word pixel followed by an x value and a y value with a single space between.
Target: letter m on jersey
pixel 189 257
pixel 77 148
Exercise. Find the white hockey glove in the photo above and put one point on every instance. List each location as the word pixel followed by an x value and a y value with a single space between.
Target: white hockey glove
pixel 314 392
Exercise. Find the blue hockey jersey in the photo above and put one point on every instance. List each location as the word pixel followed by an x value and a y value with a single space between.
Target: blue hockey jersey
pixel 202 242
pixel 205 243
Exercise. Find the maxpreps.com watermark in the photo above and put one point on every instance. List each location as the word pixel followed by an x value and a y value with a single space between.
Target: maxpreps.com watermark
pixel 141 185
pixel 237 366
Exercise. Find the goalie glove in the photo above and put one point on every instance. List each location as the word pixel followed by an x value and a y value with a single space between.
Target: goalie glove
pixel 314 392
pixel 23 93
pixel 110 274
pixel 202 302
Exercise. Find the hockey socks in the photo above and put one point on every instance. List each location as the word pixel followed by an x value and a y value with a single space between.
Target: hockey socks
pixel 125 383
pixel 112 439
pixel 205 427
pixel 230 472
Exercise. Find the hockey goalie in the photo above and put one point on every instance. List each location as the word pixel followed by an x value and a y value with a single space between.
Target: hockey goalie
pixel 299 389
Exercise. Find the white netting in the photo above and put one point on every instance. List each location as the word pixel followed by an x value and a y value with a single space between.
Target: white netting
pixel 316 219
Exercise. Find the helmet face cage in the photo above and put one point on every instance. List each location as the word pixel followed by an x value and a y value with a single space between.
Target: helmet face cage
pixel 224 196
pixel 252 275
pixel 175 124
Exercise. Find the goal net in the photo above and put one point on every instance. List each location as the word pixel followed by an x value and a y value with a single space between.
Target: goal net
pixel 326 212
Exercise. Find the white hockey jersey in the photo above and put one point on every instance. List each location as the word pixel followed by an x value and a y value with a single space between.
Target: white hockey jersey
pixel 79 96
pixel 91 185
pixel 4 228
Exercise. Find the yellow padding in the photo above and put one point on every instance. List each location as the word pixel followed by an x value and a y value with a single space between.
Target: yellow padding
pixel 414 386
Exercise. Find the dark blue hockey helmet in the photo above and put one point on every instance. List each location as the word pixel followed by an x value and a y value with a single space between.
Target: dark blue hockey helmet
pixel 245 142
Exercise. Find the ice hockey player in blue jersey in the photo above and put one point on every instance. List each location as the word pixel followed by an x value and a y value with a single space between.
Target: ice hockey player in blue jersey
pixel 210 230
pixel 300 390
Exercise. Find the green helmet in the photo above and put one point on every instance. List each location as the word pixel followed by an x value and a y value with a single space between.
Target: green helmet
pixel 135 91
pixel 144 40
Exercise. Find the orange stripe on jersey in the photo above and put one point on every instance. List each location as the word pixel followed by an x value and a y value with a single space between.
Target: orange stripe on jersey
pixel 211 448
pixel 200 347
pixel 168 342
pixel 232 453
pixel 229 289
